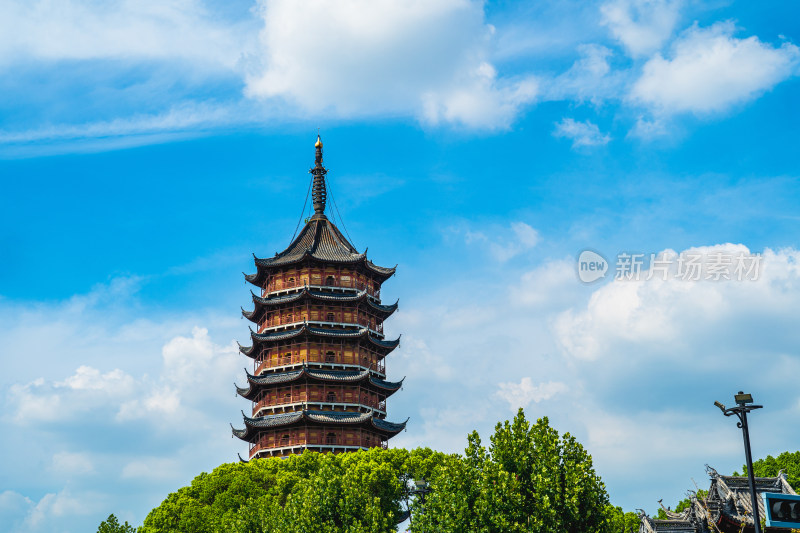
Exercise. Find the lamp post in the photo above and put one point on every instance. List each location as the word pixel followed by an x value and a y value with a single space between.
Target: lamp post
pixel 744 404
pixel 421 489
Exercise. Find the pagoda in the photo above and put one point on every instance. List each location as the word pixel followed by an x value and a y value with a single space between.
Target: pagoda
pixel 318 348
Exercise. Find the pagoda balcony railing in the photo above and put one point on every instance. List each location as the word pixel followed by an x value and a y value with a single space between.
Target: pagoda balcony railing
pixel 281 400
pixel 277 324
pixel 278 364
pixel 320 405
pixel 319 441
pixel 272 290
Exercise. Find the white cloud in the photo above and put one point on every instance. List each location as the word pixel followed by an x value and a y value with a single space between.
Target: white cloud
pixel 186 117
pixel 88 378
pixel 590 78
pixel 649 128
pixel 123 30
pixel 357 58
pixel 504 244
pixel 550 285
pixel 709 70
pixel 72 464
pixel 59 505
pixel 582 134
pixel 667 316
pixel 642 26
pixel 523 393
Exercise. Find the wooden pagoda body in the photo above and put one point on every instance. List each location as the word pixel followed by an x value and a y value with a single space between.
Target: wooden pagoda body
pixel 318 349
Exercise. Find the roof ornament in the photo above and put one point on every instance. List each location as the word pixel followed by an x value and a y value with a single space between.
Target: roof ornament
pixel 319 193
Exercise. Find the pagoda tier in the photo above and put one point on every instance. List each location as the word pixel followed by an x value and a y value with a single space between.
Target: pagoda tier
pixel 324 431
pixel 306 388
pixel 320 305
pixel 319 379
pixel 320 246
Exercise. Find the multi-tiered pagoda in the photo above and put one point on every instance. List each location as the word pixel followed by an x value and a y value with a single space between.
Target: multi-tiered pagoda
pixel 318 350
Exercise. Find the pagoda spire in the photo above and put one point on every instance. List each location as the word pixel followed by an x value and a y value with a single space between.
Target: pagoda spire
pixel 318 191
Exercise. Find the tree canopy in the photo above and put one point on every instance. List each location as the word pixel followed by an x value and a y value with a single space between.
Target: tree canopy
pixel 112 525
pixel 789 462
pixel 530 479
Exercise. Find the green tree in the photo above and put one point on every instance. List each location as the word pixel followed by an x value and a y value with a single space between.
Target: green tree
pixel 618 521
pixel 355 492
pixel 789 462
pixel 112 525
pixel 529 480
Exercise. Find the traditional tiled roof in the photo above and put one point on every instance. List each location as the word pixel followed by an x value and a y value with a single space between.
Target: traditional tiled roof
pixel 356 332
pixel 313 374
pixel 728 506
pixel 319 239
pixel 261 304
pixel 366 420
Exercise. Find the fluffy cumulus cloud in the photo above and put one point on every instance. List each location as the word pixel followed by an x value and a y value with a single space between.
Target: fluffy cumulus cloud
pixel 631 368
pixel 427 59
pixel 117 405
pixel 673 316
pixel 524 393
pixel 642 26
pixel 709 70
pixel 583 133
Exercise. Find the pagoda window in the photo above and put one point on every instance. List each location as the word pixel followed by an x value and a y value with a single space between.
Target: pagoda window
pixel 330 281
pixel 285 439
pixel 330 317
pixel 331 398
pixel 330 357
pixel 330 438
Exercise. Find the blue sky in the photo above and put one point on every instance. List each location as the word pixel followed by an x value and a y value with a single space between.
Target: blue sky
pixel 147 149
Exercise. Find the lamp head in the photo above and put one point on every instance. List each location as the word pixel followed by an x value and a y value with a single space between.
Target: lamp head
pixel 743 399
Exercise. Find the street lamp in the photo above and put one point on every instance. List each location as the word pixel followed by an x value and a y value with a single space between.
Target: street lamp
pixel 743 406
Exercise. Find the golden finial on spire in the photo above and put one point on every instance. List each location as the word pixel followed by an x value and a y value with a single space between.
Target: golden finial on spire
pixel 318 144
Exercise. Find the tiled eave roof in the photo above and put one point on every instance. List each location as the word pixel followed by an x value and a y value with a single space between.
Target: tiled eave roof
pixel 321 240
pixel 319 375
pixel 306 329
pixel 728 505
pixel 364 420
pixel 306 293
pixel 733 494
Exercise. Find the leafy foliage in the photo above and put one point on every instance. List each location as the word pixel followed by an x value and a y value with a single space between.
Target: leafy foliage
pixel 618 521
pixel 789 462
pixel 529 480
pixel 112 525
pixel 326 493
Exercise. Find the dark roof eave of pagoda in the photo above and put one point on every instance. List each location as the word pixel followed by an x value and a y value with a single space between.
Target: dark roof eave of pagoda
pixel 322 241
pixel 261 303
pixel 361 332
pixel 258 278
pixel 255 383
pixel 252 425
